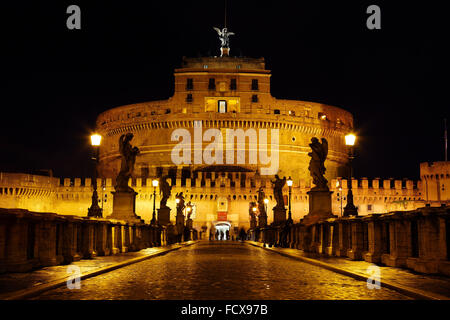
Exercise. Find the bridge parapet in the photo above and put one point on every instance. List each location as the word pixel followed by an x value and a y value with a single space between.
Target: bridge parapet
pixel 31 240
pixel 416 239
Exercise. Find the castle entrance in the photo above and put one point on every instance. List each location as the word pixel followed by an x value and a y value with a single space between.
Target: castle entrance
pixel 222 230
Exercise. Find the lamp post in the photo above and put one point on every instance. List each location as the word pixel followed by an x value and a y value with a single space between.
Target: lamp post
pixel 95 210
pixel 289 183
pixel 266 202
pixel 350 209
pixel 155 184
pixel 339 186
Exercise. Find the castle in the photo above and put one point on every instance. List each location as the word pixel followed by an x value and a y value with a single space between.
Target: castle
pixel 217 101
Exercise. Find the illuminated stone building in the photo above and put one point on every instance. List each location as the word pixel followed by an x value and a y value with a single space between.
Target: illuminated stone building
pixel 223 93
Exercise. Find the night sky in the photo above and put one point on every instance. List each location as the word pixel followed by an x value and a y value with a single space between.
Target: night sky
pixel 56 81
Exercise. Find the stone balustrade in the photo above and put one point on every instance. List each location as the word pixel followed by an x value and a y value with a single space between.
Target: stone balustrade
pixel 31 240
pixel 417 239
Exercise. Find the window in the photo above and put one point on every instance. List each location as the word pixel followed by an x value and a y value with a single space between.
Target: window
pixel 369 207
pixel 190 84
pixel 276 111
pixel 222 106
pixel 168 110
pixel 291 112
pixel 189 97
pixel 255 84
pixel 212 84
pixel 233 84
pixel 255 98
pixel 322 116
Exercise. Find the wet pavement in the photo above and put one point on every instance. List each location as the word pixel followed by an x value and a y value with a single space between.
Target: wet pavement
pixel 221 271
pixel 12 282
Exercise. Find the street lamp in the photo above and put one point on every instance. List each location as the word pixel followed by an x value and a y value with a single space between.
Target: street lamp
pixel 266 202
pixel 155 184
pixel 339 187
pixel 350 209
pixel 95 210
pixel 289 183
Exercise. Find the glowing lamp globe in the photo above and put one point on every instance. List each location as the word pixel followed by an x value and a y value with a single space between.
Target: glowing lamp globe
pixel 96 139
pixel 350 139
pixel 266 201
pixel 155 183
pixel 289 182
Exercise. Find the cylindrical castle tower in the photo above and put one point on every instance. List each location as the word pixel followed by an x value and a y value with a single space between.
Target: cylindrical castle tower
pixel 223 93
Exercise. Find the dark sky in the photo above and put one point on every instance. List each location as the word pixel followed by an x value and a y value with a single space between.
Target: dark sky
pixel 56 81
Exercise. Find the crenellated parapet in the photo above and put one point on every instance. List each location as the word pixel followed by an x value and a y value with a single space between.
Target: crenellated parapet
pixel 73 196
pixel 436 180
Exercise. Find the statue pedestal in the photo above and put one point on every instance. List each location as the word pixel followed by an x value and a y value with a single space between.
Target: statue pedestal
pixel 224 52
pixel 319 206
pixel 253 223
pixel 124 206
pixel 279 215
pixel 189 223
pixel 164 216
pixel 262 221
pixel 179 222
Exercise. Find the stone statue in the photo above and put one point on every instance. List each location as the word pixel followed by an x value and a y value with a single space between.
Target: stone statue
pixel 261 204
pixel 180 204
pixel 128 156
pixel 316 165
pixel 278 185
pixel 223 36
pixel 164 188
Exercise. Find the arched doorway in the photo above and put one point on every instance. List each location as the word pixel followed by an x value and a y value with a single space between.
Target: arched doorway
pixel 222 230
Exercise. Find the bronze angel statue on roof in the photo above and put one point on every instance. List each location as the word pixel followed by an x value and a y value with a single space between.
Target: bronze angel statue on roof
pixel 318 154
pixel 223 36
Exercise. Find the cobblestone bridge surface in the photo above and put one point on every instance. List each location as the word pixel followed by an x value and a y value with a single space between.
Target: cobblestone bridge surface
pixel 221 271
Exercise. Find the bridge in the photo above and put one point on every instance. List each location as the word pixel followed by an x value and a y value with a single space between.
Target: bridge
pixel 370 257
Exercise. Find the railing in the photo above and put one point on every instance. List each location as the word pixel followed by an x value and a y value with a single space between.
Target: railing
pixel 418 239
pixel 30 240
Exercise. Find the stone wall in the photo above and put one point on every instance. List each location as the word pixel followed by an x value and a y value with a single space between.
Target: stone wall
pixel 30 240
pixel 73 196
pixel 417 239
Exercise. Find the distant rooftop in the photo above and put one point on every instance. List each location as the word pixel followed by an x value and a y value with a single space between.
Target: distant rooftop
pixel 223 63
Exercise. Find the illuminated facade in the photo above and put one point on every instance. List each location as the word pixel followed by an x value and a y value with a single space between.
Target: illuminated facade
pixel 222 93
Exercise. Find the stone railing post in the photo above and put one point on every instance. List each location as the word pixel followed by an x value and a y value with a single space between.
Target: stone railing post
pixel 50 236
pixel 398 235
pixel 357 234
pixel 88 238
pixel 373 255
pixel 14 250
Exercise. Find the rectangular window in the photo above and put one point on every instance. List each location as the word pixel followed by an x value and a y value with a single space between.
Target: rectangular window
pixel 369 207
pixel 189 97
pixel 255 84
pixel 255 98
pixel 222 106
pixel 212 84
pixel 276 111
pixel 190 84
pixel 233 84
